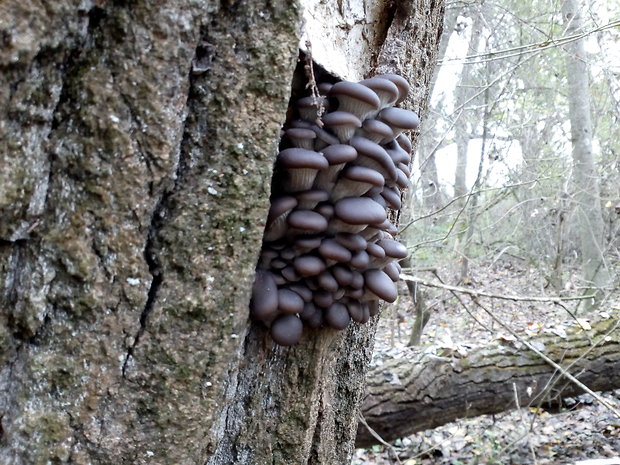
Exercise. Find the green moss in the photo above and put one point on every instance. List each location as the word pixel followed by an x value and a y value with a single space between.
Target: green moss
pixel 50 435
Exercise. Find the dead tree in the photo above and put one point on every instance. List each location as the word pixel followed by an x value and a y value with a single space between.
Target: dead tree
pixel 426 391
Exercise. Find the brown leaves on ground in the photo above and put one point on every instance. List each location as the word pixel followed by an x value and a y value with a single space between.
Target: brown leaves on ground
pixel 573 429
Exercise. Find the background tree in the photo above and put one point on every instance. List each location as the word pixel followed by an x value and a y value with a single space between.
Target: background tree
pixel 587 191
pixel 519 199
pixel 137 142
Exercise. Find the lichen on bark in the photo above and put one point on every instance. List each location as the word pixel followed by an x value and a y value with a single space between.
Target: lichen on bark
pixel 140 172
pixel 138 140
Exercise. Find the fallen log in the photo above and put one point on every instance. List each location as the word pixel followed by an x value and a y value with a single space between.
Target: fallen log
pixel 425 391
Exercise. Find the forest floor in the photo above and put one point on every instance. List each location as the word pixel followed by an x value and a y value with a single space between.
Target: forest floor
pixel 577 429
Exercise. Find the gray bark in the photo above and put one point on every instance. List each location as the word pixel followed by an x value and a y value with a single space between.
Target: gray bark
pixel 426 391
pixel 586 180
pixel 136 147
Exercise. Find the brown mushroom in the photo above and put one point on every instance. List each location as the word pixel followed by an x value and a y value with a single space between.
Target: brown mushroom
pixel 286 330
pixel 301 167
pixel 355 98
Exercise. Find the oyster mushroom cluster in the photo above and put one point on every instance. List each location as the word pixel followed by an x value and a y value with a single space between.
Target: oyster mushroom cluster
pixel 329 254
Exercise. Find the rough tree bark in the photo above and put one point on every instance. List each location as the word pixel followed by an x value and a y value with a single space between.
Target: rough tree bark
pixel 136 146
pixel 426 391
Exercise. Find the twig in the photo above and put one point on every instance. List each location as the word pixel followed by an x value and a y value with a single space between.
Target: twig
pixel 516 298
pixel 563 371
pixel 529 48
pixel 378 437
pixel 309 69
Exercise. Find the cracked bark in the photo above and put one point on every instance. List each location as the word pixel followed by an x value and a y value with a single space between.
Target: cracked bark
pixel 136 147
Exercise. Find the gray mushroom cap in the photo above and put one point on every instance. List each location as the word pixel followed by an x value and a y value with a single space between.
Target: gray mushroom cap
pixel 289 301
pixel 398 155
pixel 355 98
pixel 323 298
pixel 359 211
pixel 400 82
pixel 402 179
pixel 331 249
pixel 324 87
pixel 380 284
pixel 393 248
pixel 376 131
pixel 355 293
pixel 353 242
pixel 342 274
pixel 337 316
pixel 372 155
pixel 302 290
pixel 290 274
pixel 356 310
pixel 300 123
pixel 316 320
pixel 404 142
pixel 399 119
pixel 327 281
pixel 360 260
pixel 392 197
pixel 286 330
pixel 342 123
pixel 385 89
pixel 373 307
pixel 307 221
pixel 309 107
pixel 305 244
pixel 337 156
pixel 308 265
pixel 312 315
pixel 392 269
pixel 309 199
pixel 276 219
pixel 339 153
pixel 405 169
pixel 302 166
pixel 264 301
pixel 301 137
pixel 324 138
pixel 375 251
pixel 326 209
pixel 357 282
pixel 355 181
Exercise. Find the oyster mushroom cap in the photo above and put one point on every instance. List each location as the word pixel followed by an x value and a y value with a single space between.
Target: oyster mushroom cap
pixel 307 220
pixel 372 155
pixel 355 98
pixel 399 119
pixel 380 284
pixel 400 82
pixel 359 210
pixel 342 123
pixel 385 89
pixel 286 330
pixel 289 301
pixel 264 301
pixel 337 316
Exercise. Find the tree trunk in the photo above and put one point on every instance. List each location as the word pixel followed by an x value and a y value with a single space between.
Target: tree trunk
pixel 464 93
pixel 587 193
pixel 426 391
pixel 137 143
pixel 430 140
